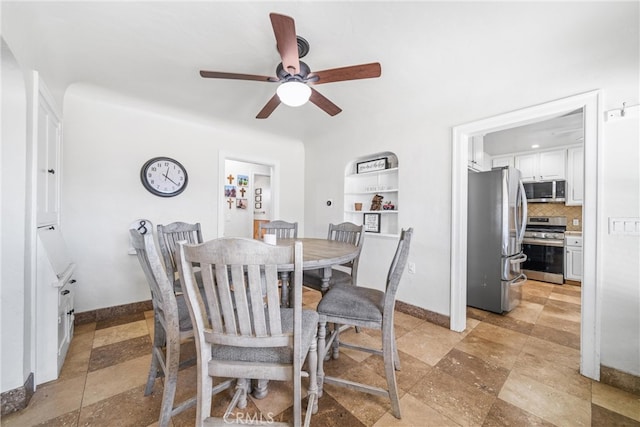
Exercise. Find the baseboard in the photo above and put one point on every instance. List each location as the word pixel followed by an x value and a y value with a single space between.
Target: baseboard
pixel 111 312
pixel 424 314
pixel 17 399
pixel 619 379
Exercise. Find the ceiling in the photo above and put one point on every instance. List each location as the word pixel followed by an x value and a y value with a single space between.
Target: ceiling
pixel 153 51
pixel 567 129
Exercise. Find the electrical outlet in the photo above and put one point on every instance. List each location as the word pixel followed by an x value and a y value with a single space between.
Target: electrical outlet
pixel 412 267
pixel 576 221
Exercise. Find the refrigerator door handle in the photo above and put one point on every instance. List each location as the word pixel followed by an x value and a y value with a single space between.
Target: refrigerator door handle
pixel 520 279
pixel 523 197
pixel 518 259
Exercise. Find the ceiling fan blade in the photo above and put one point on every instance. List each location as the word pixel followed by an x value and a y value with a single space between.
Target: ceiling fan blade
pixel 236 76
pixel 353 72
pixel 284 29
pixel 269 107
pixel 321 101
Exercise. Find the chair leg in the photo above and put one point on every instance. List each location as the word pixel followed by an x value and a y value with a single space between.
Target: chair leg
pixel 389 370
pixel 322 350
pixel 396 356
pixel 336 342
pixel 156 352
pixel 313 379
pixel 170 380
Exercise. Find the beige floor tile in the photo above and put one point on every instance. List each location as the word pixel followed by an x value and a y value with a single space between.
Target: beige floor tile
pixel 116 379
pixel 506 337
pixel 552 374
pixel 574 299
pixel 555 406
pixel 491 352
pixel 556 353
pixel 50 400
pixel 526 311
pixel 415 413
pixel 616 400
pixel 362 338
pixel 120 333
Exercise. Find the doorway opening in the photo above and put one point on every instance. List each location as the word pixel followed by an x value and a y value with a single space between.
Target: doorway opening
pixel 462 136
pixel 248 197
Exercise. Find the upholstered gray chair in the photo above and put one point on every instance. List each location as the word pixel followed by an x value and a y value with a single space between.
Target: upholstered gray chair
pixel 349 306
pixel 345 232
pixel 282 229
pixel 248 335
pixel 168 237
pixel 172 325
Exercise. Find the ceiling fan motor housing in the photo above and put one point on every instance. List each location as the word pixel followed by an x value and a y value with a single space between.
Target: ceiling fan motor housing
pixel 285 75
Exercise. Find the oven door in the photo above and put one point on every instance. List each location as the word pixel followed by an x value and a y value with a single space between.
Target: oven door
pixel 545 261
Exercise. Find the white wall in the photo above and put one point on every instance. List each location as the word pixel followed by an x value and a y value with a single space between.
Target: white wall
pixel 498 62
pixel 14 360
pixel 107 139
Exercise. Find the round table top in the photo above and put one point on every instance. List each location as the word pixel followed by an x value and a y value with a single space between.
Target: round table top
pixel 319 253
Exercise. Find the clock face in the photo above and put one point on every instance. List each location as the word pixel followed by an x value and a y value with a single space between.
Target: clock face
pixel 164 177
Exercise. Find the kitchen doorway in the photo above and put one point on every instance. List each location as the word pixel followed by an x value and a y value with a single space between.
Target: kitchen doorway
pixel 462 136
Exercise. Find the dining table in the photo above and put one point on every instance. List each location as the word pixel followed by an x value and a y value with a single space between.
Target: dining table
pixel 317 254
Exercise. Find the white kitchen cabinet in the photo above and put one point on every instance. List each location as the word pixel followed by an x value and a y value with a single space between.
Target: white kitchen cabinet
pixel 542 166
pixel 502 161
pixel 360 188
pixel 573 258
pixel 48 134
pixel 575 176
pixel 476 154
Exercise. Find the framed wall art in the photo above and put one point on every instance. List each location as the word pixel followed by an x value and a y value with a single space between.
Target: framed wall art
pixel 371 222
pixel 372 165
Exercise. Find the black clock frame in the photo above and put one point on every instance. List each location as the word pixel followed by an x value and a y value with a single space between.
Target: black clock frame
pixel 143 177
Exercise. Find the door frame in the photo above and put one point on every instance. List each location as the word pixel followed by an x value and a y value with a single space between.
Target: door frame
pixel 591 102
pixel 274 164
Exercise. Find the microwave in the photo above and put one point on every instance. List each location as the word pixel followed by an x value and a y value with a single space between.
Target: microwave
pixel 545 192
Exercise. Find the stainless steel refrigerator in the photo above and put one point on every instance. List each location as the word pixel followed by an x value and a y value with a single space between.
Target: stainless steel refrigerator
pixel 497 216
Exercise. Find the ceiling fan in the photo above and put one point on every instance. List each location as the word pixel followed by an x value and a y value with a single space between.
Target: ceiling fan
pixel 294 76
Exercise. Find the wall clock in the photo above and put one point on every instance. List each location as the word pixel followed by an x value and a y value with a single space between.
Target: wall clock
pixel 164 176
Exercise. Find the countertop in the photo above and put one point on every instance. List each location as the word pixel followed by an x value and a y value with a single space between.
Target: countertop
pixel 573 233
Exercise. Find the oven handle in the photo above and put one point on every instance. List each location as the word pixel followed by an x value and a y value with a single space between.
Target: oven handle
pixel 543 242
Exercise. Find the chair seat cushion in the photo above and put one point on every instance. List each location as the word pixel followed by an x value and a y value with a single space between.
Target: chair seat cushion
pixel 353 302
pixel 273 354
pixel 313 278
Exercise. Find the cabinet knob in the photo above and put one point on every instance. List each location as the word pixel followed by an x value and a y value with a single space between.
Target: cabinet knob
pixel 51 228
pixel 51 171
pixel 70 312
pixel 66 292
pixel 72 281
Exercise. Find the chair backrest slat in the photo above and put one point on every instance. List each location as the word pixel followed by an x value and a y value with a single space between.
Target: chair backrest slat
pixel 243 297
pixel 282 229
pixel 168 237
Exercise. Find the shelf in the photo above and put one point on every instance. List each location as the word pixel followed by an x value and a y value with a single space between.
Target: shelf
pixel 383 211
pixel 380 172
pixel 358 193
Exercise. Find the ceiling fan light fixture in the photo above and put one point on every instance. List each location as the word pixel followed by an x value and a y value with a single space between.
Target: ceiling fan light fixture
pixel 293 93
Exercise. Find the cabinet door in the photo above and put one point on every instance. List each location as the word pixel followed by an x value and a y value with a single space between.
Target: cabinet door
pixel 573 264
pixel 552 165
pixel 48 173
pixel 500 162
pixel 575 176
pixel 476 153
pixel 528 166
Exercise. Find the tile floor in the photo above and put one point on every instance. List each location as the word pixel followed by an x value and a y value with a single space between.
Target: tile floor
pixel 514 370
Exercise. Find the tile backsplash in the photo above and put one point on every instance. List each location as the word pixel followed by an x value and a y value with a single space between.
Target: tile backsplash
pixel 558 209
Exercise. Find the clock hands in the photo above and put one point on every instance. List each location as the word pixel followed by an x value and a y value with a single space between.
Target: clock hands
pixel 166 176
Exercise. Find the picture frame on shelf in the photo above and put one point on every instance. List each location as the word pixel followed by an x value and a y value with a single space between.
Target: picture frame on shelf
pixel 374 165
pixel 371 222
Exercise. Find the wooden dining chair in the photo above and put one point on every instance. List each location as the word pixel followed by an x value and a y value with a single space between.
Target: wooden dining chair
pixel 247 334
pixel 168 236
pixel 356 306
pixel 172 325
pixel 344 232
pixel 282 229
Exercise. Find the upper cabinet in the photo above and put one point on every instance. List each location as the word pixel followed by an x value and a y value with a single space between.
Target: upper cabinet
pixel 371 193
pixel 542 166
pixel 575 176
pixel 503 161
pixel 48 134
pixel 476 154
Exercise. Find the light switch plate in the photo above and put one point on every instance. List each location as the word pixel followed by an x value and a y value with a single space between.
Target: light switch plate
pixel 629 226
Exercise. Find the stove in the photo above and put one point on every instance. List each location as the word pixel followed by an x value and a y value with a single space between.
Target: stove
pixel 543 244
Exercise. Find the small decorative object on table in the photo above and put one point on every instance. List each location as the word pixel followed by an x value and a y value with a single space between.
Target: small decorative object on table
pixel 388 206
pixel 376 203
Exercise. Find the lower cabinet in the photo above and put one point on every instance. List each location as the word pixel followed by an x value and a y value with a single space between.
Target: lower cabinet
pixel 573 258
